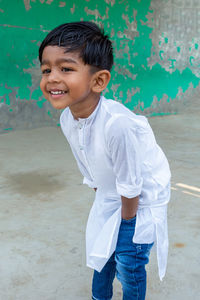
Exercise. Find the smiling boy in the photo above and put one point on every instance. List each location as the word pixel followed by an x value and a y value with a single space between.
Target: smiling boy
pixel 117 155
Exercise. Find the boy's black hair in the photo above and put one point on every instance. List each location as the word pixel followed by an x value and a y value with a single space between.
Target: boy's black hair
pixel 87 38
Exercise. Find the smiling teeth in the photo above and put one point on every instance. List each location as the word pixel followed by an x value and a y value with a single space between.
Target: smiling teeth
pixel 57 92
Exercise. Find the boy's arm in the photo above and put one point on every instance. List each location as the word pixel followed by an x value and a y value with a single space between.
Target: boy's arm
pixel 126 153
pixel 129 207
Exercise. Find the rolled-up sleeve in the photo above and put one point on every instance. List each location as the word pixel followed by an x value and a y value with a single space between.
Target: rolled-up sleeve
pixel 126 159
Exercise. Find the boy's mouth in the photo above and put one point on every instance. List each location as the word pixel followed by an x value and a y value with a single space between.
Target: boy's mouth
pixel 57 92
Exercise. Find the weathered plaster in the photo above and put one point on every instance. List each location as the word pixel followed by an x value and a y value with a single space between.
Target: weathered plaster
pixel 175 35
pixel 156 46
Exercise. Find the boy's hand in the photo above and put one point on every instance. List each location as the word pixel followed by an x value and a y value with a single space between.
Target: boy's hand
pixel 129 207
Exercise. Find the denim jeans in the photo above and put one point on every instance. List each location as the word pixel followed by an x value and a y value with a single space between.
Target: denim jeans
pixel 127 263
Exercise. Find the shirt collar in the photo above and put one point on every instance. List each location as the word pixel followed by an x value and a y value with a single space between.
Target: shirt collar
pixel 90 118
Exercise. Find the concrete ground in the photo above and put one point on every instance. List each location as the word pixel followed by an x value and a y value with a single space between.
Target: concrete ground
pixel 44 209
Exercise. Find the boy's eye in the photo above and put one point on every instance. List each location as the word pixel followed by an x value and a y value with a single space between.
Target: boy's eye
pixel 64 69
pixel 46 71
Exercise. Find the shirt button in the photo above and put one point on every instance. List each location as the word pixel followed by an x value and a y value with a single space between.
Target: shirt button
pixel 80 126
pixel 81 147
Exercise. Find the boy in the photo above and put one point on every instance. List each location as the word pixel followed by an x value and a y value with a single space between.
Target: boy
pixel 118 156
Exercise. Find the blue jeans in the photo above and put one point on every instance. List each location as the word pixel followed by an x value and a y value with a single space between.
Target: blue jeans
pixel 127 263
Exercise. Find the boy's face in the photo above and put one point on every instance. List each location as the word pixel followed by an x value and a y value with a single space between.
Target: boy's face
pixel 66 80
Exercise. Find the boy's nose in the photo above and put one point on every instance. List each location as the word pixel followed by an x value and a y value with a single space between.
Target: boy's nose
pixel 54 76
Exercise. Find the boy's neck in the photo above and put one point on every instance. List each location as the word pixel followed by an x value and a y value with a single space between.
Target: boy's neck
pixel 84 110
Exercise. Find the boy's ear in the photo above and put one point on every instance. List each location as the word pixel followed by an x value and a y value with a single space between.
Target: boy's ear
pixel 100 80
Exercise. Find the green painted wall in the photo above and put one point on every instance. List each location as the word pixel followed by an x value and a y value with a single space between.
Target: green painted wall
pixel 154 66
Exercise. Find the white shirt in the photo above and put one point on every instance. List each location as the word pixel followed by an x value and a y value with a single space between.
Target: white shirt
pixel 117 153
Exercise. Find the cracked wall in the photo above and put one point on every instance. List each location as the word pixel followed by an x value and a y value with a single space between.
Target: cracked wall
pixel 156 45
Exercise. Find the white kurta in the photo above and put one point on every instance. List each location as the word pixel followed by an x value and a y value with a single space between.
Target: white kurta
pixel 117 153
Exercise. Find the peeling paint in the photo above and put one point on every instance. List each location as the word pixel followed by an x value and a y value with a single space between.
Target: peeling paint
pixel 27 4
pixel 73 9
pixel 62 4
pixel 111 2
pixel 176 30
pixel 96 13
pixel 161 54
pixel 22 27
pixel 48 1
pixel 131 32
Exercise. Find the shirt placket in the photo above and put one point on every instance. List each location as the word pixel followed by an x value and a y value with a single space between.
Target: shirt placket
pixel 82 146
